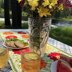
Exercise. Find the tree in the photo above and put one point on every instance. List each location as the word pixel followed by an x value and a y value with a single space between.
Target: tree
pixel 6 14
pixel 16 14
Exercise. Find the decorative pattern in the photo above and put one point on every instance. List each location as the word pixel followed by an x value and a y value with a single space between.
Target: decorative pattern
pixel 60 45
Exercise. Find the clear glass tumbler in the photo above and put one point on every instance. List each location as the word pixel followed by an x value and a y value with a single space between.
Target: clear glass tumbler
pixel 30 62
pixel 4 55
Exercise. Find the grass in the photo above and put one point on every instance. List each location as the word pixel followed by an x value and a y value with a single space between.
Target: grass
pixel 67 19
pixel 63 34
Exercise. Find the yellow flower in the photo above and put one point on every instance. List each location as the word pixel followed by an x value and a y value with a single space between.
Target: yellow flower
pixel 43 12
pixel 45 3
pixel 33 4
pixel 19 1
pixel 61 7
pixel 52 3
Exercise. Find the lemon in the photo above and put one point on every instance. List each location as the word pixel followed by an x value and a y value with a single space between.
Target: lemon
pixel 31 56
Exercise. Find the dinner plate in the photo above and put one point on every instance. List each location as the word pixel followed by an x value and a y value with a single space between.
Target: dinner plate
pixel 13 47
pixel 54 66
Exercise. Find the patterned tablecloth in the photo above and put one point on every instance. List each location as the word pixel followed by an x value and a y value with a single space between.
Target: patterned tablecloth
pixel 14 64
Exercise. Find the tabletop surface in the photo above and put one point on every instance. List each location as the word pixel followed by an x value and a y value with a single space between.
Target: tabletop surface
pixel 8 68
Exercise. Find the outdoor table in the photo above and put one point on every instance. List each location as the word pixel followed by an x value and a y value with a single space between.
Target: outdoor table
pixel 14 60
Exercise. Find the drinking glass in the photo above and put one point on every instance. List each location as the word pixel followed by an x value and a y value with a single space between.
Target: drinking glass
pixel 4 55
pixel 30 62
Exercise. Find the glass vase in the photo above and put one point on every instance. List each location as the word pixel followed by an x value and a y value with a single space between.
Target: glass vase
pixel 39 33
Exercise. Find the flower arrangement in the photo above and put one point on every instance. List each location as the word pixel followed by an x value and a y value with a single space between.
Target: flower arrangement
pixel 41 8
pixel 40 13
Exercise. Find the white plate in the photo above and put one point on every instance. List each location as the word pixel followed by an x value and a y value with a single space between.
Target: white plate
pixel 12 47
pixel 54 66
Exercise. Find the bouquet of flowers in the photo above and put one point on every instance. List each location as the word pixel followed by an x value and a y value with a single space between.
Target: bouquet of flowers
pixel 41 8
pixel 40 13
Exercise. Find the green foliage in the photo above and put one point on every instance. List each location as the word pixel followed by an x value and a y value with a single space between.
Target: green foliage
pixel 63 34
pixel 1 3
pixel 25 25
pixel 1 12
pixel 1 24
pixel 67 12
pixel 24 14
pixel 59 20
pixel 69 18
